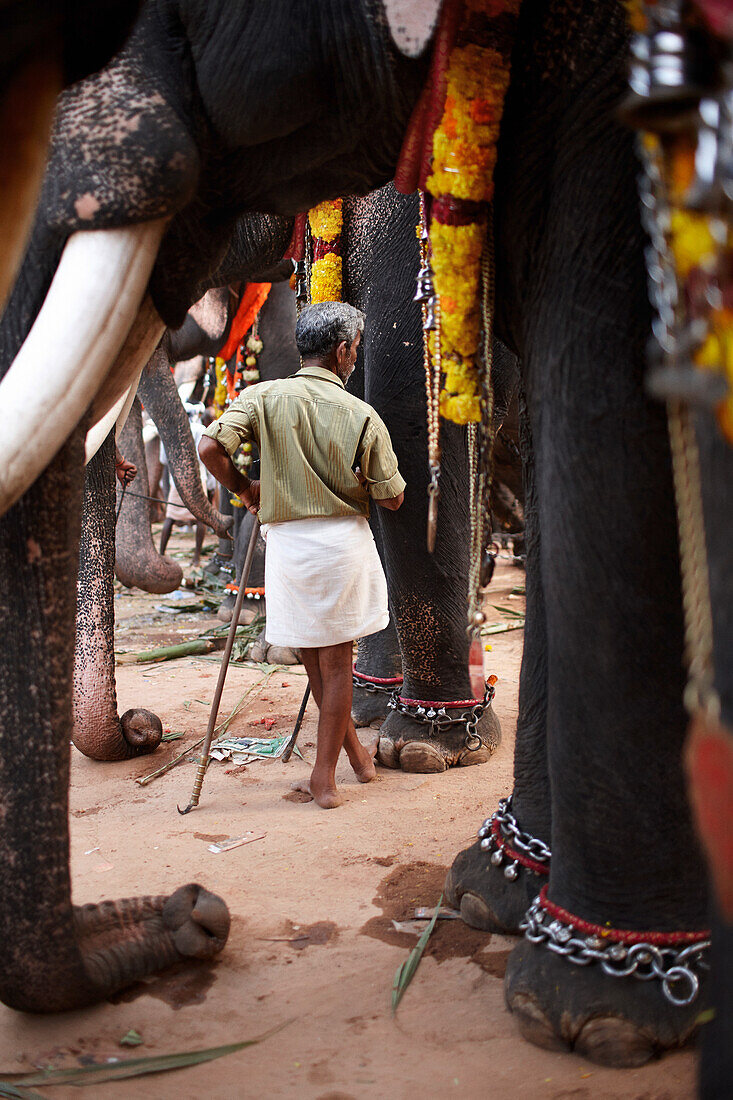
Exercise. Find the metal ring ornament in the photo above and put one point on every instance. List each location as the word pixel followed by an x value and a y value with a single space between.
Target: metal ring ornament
pixel 673 966
pixel 370 688
pixel 503 826
pixel 438 718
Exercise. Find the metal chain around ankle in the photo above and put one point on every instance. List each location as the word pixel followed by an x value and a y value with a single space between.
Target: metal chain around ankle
pixel 372 688
pixel 501 836
pixel 676 966
pixel 439 716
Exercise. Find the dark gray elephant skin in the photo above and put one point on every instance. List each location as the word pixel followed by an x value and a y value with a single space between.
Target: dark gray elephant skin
pixel 570 300
pixel 598 772
pixel 169 130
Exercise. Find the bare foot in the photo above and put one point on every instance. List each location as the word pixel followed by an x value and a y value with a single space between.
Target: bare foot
pixel 361 757
pixel 327 797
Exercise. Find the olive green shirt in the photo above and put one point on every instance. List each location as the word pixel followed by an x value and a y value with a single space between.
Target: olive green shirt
pixel 311 433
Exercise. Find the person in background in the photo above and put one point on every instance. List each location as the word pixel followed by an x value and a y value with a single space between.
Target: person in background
pixel 324 455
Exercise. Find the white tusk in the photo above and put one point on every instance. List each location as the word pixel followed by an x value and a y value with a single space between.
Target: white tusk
pixel 115 397
pixel 116 416
pixel 99 432
pixel 89 309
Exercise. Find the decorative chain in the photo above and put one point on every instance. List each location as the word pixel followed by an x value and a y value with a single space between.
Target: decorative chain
pixel 439 718
pixel 432 362
pixel 374 688
pixel 501 836
pixel 675 340
pixel 677 967
pixel 481 447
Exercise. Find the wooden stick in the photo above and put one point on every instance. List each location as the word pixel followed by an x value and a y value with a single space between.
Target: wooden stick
pixel 204 762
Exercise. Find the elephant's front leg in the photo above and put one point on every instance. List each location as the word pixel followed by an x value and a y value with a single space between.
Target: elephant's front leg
pixel 494 880
pixel 98 732
pixel 435 722
pixel 54 957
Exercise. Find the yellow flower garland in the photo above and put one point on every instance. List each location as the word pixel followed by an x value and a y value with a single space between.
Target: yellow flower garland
pixel 326 279
pixel 464 156
pixel 326 220
pixel 326 223
pixel 220 393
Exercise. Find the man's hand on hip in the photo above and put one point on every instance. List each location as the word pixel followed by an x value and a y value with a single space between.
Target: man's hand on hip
pixel 251 497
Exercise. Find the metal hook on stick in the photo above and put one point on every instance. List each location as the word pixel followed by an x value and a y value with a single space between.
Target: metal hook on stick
pixel 288 751
pixel 204 762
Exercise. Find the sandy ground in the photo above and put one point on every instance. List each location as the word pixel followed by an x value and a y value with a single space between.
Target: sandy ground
pixel 312 948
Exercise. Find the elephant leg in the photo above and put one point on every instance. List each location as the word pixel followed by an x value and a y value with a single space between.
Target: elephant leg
pixel 97 730
pixel 427 592
pixel 377 674
pixel 137 562
pixel 491 889
pixel 572 291
pixel 56 957
pixel 428 597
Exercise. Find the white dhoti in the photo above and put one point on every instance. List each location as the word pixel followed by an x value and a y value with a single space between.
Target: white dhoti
pixel 324 582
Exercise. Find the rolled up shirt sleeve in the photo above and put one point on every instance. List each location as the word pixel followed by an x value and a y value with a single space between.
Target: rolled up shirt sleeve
pixel 378 462
pixel 233 428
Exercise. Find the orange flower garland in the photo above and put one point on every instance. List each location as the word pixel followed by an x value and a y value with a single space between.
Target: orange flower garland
pixel 461 186
pixel 326 223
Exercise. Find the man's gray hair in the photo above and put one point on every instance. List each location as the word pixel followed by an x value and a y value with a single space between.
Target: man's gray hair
pixel 323 326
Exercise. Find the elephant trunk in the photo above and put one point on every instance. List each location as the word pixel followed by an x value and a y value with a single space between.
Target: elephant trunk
pixel 137 561
pixel 54 958
pixel 158 393
pixel 97 730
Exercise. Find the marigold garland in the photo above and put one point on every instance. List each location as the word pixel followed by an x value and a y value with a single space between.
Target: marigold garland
pixel 461 186
pixel 326 223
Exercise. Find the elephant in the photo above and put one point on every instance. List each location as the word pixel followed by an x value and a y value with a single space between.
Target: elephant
pixel 599 778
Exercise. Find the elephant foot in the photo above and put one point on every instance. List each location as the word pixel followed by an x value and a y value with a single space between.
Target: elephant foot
pixel 495 880
pixel 486 897
pixel 614 1021
pixel 248 612
pixel 415 745
pixel 142 730
pixel 220 564
pixel 263 653
pixel 368 706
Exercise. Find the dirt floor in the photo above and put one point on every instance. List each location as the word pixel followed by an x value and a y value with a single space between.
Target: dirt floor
pixel 312 949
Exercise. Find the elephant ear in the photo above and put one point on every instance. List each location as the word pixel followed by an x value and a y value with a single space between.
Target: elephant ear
pixel 411 23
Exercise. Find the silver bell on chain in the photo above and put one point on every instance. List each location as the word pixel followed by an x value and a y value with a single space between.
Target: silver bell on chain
pixel 425 288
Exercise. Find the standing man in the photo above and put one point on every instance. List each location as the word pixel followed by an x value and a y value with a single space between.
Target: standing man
pixel 323 454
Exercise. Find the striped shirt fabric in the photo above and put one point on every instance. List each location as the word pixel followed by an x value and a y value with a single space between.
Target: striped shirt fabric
pixel 311 434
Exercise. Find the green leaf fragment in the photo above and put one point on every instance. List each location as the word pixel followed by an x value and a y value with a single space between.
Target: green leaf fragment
pixel 406 971
pixel 131 1039
pixel 128 1067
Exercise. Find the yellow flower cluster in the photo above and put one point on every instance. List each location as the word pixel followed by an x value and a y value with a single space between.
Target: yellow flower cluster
pixel 326 279
pixel 464 156
pixel 220 393
pixel 690 239
pixel 326 220
pixel 464 145
pixel 716 354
